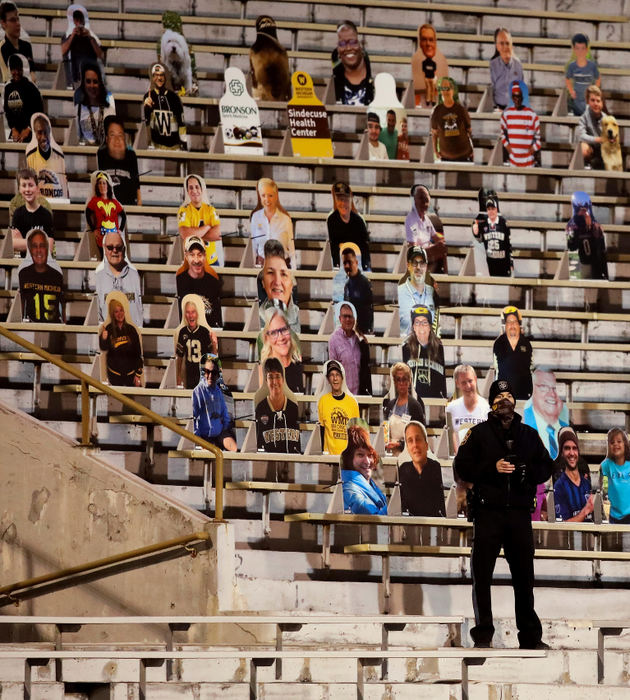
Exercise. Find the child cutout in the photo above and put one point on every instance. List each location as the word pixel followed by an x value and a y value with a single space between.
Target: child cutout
pixel 277 427
pixel 193 339
pixel 271 221
pixel 120 341
pixel 32 211
pixel 102 210
pixel 580 73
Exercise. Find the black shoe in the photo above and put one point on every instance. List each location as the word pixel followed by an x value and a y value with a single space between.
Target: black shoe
pixel 482 645
pixel 540 646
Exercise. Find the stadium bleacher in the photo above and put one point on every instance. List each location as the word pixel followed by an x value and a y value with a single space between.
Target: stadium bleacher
pixel 293 555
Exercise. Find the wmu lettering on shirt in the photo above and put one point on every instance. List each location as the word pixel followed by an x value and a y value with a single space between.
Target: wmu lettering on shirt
pixel 339 420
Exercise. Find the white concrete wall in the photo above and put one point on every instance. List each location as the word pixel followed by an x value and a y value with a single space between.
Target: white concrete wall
pixel 60 507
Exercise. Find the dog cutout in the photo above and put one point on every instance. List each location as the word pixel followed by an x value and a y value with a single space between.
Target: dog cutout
pixel 269 63
pixel 174 54
pixel 611 148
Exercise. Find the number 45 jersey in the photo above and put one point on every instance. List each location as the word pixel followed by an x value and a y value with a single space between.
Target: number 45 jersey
pixel 496 239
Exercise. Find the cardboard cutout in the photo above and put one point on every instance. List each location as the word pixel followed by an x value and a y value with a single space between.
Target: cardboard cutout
pixel 276 411
pixel 385 102
pixel 191 216
pixel 278 340
pixel 193 339
pixel 103 211
pixel 127 281
pixel 427 61
pixel 269 220
pixel 240 120
pixel 409 297
pixel 121 345
pixel 308 120
pixel 213 405
pixel 340 278
pixel 41 290
pixel 275 290
pixel 45 156
pixel 334 412
pixel 269 63
pixel 207 286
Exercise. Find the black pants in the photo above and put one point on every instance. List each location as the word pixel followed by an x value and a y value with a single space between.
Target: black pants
pixel 512 530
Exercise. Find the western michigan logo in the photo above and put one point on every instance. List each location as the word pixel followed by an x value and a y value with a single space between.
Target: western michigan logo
pixel 162 121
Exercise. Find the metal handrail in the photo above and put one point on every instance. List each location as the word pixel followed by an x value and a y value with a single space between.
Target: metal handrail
pixel 87 381
pixel 8 590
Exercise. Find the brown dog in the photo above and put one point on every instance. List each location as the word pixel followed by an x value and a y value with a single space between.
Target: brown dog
pixel 611 149
pixel 269 64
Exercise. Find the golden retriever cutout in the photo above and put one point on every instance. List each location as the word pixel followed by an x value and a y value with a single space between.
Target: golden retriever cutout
pixel 611 148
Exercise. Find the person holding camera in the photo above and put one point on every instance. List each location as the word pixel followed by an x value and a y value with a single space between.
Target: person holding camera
pixel 504 459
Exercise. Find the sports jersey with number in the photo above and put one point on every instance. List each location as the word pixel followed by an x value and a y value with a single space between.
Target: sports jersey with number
pixel 191 217
pixel 42 294
pixel 496 239
pixel 192 345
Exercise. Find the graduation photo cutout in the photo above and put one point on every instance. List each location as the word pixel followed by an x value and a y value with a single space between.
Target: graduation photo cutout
pixel 240 120
pixel 308 120
pixel 276 412
pixel 193 339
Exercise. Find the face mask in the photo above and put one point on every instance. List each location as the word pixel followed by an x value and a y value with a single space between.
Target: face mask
pixel 503 408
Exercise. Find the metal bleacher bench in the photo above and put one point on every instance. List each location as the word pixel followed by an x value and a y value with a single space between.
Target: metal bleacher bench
pixel 327 520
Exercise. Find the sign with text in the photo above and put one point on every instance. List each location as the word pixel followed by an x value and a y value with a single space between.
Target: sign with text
pixel 308 120
pixel 240 121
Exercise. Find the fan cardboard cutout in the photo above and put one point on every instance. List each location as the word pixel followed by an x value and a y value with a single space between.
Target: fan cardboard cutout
pixel 391 113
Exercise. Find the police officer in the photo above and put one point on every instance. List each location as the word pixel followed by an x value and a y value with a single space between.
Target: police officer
pixel 504 459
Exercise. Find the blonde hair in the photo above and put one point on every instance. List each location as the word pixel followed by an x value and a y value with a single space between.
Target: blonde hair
pixel 267 182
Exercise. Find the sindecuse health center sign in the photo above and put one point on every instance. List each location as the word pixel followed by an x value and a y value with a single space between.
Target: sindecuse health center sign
pixel 308 120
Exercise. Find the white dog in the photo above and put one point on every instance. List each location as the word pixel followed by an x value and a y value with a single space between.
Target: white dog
pixel 176 57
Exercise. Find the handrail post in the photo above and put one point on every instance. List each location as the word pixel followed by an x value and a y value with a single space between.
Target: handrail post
pixel 218 487
pixel 85 414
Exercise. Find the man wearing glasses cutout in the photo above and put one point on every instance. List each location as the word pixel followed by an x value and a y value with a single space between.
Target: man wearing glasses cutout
pixel 115 272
